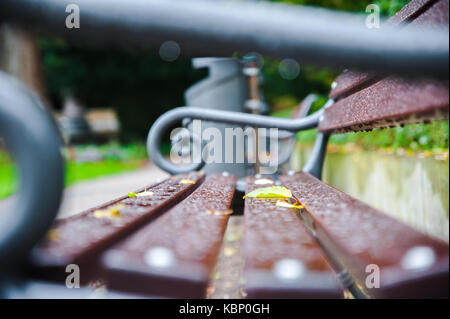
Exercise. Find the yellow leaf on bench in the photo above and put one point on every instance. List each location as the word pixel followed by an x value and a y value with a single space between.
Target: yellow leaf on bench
pixel 53 235
pixel 282 203
pixel 186 181
pixel 147 193
pixel 270 192
pixel 112 212
pixel 217 212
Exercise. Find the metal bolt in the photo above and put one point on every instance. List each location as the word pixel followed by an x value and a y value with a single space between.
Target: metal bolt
pixel 419 257
pixel 263 181
pixel 289 269
pixel 160 257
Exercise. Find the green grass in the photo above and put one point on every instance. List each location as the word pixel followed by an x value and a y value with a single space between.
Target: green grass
pixel 8 176
pixel 74 172
pixel 415 137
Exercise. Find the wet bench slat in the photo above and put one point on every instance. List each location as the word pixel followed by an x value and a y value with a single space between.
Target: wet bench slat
pixel 174 255
pixel 388 103
pixel 79 238
pixel 391 101
pixel 282 260
pixel 356 235
pixel 423 12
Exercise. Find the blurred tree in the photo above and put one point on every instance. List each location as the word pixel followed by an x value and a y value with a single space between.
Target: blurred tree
pixel 19 56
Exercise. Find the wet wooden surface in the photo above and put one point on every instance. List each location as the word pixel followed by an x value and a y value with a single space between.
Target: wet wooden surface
pixel 77 239
pixel 356 235
pixel 282 259
pixel 174 255
pixel 388 103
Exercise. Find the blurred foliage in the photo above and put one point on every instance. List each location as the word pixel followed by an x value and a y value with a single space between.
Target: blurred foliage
pixel 414 137
pixel 313 79
pixel 387 7
pixel 137 84
pixel 110 151
pixel 141 86
pixel 284 94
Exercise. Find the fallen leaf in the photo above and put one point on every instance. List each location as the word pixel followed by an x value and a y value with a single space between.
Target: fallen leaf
pixel 270 192
pixel 112 212
pixel 141 194
pixel 219 212
pixel 282 203
pixel 228 251
pixel 146 193
pixel 228 284
pixel 233 237
pixel 186 181
pixel 210 290
pixel 53 235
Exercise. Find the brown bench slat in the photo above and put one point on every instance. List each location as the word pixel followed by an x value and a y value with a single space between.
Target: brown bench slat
pixel 282 260
pixel 79 238
pixel 351 81
pixel 434 17
pixel 174 255
pixel 356 235
pixel 390 102
pixel 410 11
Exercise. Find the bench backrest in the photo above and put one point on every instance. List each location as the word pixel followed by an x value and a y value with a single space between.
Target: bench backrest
pixel 367 100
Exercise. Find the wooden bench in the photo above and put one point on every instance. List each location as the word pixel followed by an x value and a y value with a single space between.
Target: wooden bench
pixel 282 260
pixel 358 239
pixel 79 239
pixel 355 235
pixel 174 256
pixel 332 244
pixel 171 255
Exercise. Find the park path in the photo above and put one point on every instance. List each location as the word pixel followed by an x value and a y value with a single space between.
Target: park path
pixel 86 194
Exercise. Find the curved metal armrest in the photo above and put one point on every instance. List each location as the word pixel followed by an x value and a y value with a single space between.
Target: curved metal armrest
pixel 34 143
pixel 176 115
